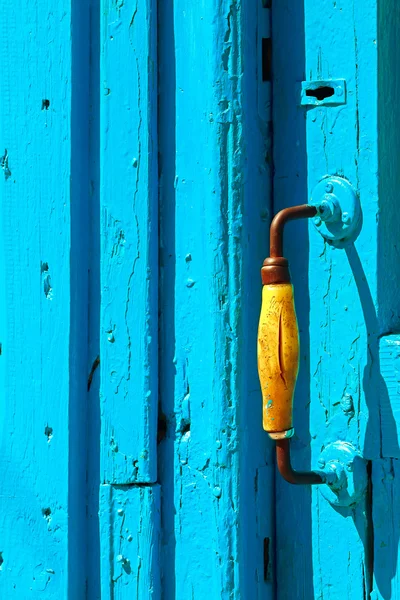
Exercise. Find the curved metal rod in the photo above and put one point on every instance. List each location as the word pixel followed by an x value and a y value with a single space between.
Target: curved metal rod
pixel 288 473
pixel 304 211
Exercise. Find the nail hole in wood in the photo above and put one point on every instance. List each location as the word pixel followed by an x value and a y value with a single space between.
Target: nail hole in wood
pixel 46 512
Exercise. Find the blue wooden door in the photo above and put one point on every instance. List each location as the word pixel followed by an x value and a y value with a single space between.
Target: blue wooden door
pixel 144 147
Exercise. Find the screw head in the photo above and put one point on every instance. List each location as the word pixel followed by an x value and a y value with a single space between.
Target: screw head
pixel 329 188
pixel 317 221
pixel 346 218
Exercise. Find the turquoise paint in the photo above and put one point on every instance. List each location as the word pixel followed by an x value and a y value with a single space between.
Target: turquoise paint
pixel 42 526
pixel 137 174
pixel 214 209
pixel 345 297
pixel 79 223
pixel 129 242
pixel 93 353
pixel 130 529
pixel 389 358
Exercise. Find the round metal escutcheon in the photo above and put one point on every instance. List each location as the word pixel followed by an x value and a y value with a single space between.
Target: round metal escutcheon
pixel 339 213
pixel 351 471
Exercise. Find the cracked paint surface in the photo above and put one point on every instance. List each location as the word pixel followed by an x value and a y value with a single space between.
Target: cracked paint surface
pixel 129 281
pixel 346 299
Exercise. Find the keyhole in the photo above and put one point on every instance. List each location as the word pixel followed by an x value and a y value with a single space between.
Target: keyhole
pixel 321 93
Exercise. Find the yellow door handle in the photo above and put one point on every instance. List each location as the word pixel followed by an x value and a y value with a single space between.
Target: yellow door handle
pixel 278 357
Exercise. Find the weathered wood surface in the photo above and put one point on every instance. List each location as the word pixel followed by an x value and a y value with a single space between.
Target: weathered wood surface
pixel 93 233
pixel 386 498
pixel 201 522
pixel 78 143
pixel 129 515
pixel 130 542
pixel 257 501
pixel 389 395
pixel 346 298
pixel 214 209
pixel 43 302
pixel 129 242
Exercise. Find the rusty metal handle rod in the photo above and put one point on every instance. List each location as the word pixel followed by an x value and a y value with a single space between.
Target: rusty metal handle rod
pixel 304 211
pixel 285 468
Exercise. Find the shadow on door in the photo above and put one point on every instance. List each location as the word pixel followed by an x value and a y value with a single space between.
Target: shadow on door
pixel 294 565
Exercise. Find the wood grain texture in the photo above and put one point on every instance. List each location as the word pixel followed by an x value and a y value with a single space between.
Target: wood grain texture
pixel 210 399
pixel 256 453
pixel 389 358
pixel 388 152
pixel 93 351
pixel 129 249
pixel 129 531
pixel 294 565
pixel 385 502
pixel 43 301
pixel 337 396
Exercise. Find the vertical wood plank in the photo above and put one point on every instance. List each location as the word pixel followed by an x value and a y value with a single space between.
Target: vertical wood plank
pixel 385 502
pixel 214 213
pixel 346 313
pixel 257 495
pixel 80 544
pixel 43 311
pixel 129 532
pixel 389 358
pixel 343 282
pixel 129 515
pixel 386 472
pixel 93 354
pixel 294 565
pixel 201 218
pixel 128 344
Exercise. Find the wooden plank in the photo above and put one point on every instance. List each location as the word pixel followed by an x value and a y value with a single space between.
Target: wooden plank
pixel 214 210
pixel 93 233
pixel 337 396
pixel 386 472
pixel 385 502
pixel 257 494
pixel 130 540
pixel 128 344
pixel 44 301
pixel 389 356
pixel 294 568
